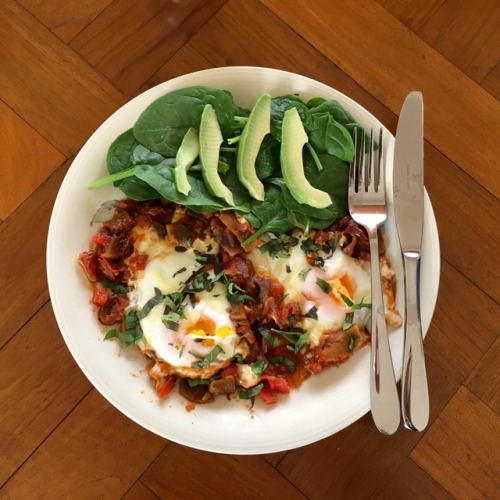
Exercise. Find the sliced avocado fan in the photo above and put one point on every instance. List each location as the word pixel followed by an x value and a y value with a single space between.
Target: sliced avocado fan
pixel 256 128
pixel 186 155
pixel 293 138
pixel 210 141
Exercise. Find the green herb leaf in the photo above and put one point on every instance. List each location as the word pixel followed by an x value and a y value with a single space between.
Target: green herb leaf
pixel 271 339
pixel 323 285
pixel 133 331
pixel 180 271
pixel 283 360
pixel 349 318
pixel 236 294
pixel 352 342
pixel 209 358
pixel 303 273
pixel 259 366
pixel 154 301
pixel 115 287
pixel 348 302
pixel 302 341
pixel 312 313
pixel 251 393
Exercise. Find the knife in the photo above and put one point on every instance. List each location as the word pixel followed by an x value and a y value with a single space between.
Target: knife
pixel 408 179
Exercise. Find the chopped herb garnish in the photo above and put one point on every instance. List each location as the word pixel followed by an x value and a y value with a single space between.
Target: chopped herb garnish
pixel 348 302
pixel 276 248
pixel 181 350
pixel 154 301
pixel 308 246
pixel 318 261
pixel 193 382
pixel 271 339
pixel 283 360
pixel 352 342
pixel 171 320
pixel 282 298
pixel 209 358
pixel 312 313
pixel 324 285
pixel 349 317
pixel 236 294
pixel 302 341
pixel 251 393
pixel 133 331
pixel 288 269
pixel 303 273
pixel 180 271
pixel 115 287
pixel 259 366
pixel 178 248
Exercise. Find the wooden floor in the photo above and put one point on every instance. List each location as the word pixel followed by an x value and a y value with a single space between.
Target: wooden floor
pixel 66 65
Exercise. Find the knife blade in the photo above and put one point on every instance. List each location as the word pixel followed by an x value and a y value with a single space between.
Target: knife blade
pixel 408 191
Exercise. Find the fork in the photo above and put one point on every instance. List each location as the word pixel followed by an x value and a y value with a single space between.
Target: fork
pixel 367 206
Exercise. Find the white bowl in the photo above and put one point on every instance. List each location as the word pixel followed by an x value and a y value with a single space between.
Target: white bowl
pixel 323 405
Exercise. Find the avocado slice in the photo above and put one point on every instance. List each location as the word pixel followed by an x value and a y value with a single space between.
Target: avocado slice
pixel 184 159
pixel 256 128
pixel 210 141
pixel 293 138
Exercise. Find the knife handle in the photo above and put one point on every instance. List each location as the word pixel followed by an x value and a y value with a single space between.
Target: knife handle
pixel 384 397
pixel 414 389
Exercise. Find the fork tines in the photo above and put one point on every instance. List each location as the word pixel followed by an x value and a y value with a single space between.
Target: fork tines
pixel 365 162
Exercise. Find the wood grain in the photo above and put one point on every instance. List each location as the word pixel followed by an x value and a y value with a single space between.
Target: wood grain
pixel 455 343
pixel 373 456
pixel 492 82
pixel 65 18
pixel 81 448
pixel 246 473
pixel 467 34
pixel 368 42
pixel 67 65
pixel 132 40
pixel 484 380
pixel 42 384
pixel 461 451
pixel 23 150
pixel 55 99
pixel 410 481
pixel 23 282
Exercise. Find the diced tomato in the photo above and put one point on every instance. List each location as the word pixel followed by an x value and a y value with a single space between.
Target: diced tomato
pixel 89 260
pixel 230 371
pixel 101 239
pixel 138 262
pixel 267 395
pixel 277 290
pixel 164 387
pixel 277 384
pixel 100 296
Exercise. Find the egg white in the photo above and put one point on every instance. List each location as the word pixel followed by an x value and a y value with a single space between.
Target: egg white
pixel 303 288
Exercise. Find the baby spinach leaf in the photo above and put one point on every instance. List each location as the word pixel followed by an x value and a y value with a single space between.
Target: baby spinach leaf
pixel 124 153
pixel 268 159
pixel 271 214
pixel 163 124
pixel 329 136
pixel 161 179
pixel 336 111
pixel 281 104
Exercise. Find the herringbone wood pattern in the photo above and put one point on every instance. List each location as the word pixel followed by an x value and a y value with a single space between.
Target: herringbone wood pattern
pixel 67 65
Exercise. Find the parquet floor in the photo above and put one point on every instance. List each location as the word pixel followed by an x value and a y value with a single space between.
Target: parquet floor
pixel 66 65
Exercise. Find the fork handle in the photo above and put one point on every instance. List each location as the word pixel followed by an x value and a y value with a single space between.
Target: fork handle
pixel 414 389
pixel 384 396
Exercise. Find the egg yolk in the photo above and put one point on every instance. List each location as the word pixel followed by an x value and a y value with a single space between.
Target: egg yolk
pixel 205 327
pixel 343 285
